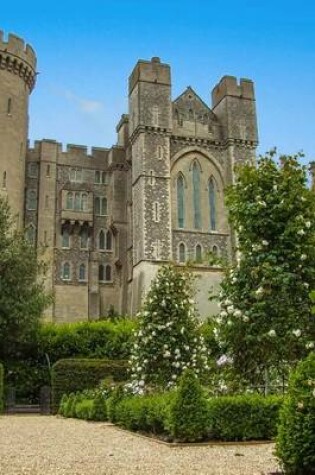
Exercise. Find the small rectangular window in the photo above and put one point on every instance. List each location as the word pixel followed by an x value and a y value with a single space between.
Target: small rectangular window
pixel 9 106
pixel 48 170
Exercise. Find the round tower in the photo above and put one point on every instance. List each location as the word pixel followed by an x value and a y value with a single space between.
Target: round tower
pixel 17 80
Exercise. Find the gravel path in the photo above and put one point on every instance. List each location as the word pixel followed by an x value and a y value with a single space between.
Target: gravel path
pixel 41 445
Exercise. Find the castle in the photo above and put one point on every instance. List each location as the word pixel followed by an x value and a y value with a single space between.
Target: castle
pixel 108 219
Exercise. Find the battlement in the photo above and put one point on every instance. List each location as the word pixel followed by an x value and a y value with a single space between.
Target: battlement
pixel 18 58
pixel 228 86
pixel 150 71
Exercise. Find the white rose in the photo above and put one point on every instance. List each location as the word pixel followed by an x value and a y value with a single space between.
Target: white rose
pixel 245 318
pixel 265 243
pixel 237 313
pixel 297 333
pixel 303 257
pixel 310 345
pixel 272 333
pixel 301 232
pixel 308 224
pixel 223 314
pixel 230 309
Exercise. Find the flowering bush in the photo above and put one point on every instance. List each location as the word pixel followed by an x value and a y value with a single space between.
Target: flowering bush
pixel 265 319
pixel 168 339
pixel 296 433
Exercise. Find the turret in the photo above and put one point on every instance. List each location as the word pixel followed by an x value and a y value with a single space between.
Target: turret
pixel 312 173
pixel 17 80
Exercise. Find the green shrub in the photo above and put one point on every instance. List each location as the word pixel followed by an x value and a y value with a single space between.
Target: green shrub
pixel 63 404
pixel 246 417
pixel 99 408
pixel 1 388
pixel 144 413
pixel 69 406
pixel 75 375
pixel 188 413
pixel 83 409
pixel 112 402
pixel 296 432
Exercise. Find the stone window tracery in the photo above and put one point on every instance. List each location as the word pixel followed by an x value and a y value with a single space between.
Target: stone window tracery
pixel 108 273
pixel 109 240
pixel 196 195
pixel 212 203
pixel 180 201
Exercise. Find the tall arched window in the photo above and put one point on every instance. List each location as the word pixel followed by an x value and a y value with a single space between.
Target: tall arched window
pixel 65 238
pixel 109 241
pixel 196 196
pixel 82 272
pixel 97 204
pixel 101 240
pixel 108 273
pixel 65 271
pixel 69 200
pixel 198 253
pixel 30 234
pixel 212 204
pixel 84 202
pixel 104 206
pixel 4 180
pixel 215 251
pixel 101 273
pixel 77 201
pixel 31 200
pixel 84 237
pixel 180 201
pixel 182 252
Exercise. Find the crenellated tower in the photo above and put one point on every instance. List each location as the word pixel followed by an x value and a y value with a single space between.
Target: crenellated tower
pixel 150 124
pixel 17 80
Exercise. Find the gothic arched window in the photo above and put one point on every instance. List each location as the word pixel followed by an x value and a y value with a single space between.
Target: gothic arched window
pixel 4 180
pixel 84 238
pixel 196 196
pixel 82 272
pixel 108 273
pixel 101 240
pixel 65 271
pixel 101 273
pixel 84 198
pixel 65 238
pixel 109 241
pixel 30 234
pixel 31 200
pixel 103 206
pixel 198 253
pixel 180 201
pixel 182 252
pixel 215 251
pixel 77 201
pixel 69 204
pixel 212 203
pixel 97 205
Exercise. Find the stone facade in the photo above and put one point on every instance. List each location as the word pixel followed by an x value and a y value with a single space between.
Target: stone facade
pixel 107 219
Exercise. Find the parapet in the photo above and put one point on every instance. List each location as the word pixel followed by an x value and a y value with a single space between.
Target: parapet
pixel 228 86
pixel 18 57
pixel 150 71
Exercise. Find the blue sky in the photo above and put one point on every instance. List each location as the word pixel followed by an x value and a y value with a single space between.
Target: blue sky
pixel 86 51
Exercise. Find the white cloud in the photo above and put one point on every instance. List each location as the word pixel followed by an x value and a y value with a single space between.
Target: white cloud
pixel 88 106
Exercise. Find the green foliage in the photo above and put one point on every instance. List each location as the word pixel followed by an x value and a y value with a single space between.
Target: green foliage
pixel 265 318
pixel 144 413
pixel 188 415
pixel 69 406
pixel 112 402
pixel 84 409
pixel 72 375
pixel 246 417
pixel 99 408
pixel 22 295
pixel 168 339
pixel 1 388
pixel 296 433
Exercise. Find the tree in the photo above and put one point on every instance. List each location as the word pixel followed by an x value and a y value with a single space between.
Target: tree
pixel 22 296
pixel 265 320
pixel 167 341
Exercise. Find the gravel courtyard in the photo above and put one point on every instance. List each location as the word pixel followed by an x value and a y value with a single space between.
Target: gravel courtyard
pixel 42 445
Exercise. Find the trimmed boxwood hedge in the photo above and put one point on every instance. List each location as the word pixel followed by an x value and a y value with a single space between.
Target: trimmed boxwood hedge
pixel 1 388
pixel 244 417
pixel 231 418
pixel 73 375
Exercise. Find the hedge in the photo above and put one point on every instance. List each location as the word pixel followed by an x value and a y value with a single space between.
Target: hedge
pixel 73 375
pixel 1 388
pixel 245 417
pixel 231 418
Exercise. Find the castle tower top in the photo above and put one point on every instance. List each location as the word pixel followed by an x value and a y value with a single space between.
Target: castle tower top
pixel 228 86
pixel 18 58
pixel 151 72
